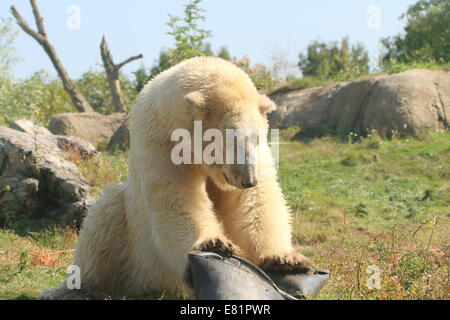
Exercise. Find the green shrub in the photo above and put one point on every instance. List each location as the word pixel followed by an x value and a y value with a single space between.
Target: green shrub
pixel 401 67
pixel 259 73
pixel 189 38
pixel 334 60
pixel 426 37
pixel 37 98
pixel 94 86
pixel 40 97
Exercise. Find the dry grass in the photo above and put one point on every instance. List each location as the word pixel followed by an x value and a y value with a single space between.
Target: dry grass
pixel 30 264
pixel 410 269
pixel 105 168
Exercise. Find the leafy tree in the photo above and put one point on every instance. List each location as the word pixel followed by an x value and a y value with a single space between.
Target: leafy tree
pixel 334 60
pixel 190 42
pixel 140 78
pixel 164 62
pixel 189 38
pixel 41 96
pixel 36 98
pixel 7 50
pixel 258 73
pixel 94 86
pixel 426 37
pixel 224 53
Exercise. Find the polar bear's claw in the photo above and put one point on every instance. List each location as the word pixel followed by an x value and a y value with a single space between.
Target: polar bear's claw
pixel 290 262
pixel 220 246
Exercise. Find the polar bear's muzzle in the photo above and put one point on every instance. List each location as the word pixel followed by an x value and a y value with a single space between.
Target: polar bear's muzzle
pixel 241 176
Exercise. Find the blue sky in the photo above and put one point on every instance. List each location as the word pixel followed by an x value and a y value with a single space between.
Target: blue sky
pixel 258 29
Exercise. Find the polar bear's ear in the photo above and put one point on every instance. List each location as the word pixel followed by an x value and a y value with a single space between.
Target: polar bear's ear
pixel 266 105
pixel 197 98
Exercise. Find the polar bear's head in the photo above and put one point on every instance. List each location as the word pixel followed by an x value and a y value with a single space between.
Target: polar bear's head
pixel 242 127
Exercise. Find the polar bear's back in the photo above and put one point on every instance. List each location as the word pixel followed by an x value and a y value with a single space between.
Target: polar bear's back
pixel 200 73
pixel 161 106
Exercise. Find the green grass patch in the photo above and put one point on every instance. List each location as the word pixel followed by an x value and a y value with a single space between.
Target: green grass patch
pixel 373 202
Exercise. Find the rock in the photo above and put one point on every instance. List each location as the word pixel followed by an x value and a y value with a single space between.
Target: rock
pixel 94 127
pixel 120 140
pixel 28 127
pixel 37 180
pixel 404 103
pixel 19 187
pixel 77 147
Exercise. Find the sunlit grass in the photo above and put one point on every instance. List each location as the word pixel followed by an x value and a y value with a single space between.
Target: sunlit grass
pixel 373 202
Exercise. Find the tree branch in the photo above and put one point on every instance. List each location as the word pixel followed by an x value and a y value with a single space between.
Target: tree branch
pixel 120 65
pixel 112 72
pixel 39 20
pixel 76 96
pixel 26 27
pixel 106 56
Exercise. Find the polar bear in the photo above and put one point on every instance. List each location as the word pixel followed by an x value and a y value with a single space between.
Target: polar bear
pixel 137 236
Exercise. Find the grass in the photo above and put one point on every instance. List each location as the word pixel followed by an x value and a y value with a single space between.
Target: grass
pixel 373 203
pixel 31 263
pixel 356 203
pixel 400 67
pixel 300 84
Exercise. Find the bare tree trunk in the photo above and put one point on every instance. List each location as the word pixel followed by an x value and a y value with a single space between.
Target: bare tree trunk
pixel 40 36
pixel 112 72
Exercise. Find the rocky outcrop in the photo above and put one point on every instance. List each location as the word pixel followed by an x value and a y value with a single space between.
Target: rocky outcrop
pixel 120 140
pixel 81 148
pixel 94 127
pixel 37 180
pixel 27 126
pixel 77 148
pixel 404 103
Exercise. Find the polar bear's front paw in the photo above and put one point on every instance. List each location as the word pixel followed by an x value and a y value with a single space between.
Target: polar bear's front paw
pixel 220 246
pixel 290 262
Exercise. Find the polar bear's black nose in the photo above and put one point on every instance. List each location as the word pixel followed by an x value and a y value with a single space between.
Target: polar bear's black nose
pixel 248 185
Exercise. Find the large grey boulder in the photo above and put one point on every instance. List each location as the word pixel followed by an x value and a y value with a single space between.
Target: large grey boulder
pixel 76 147
pixel 403 103
pixel 94 127
pixel 37 180
pixel 27 126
